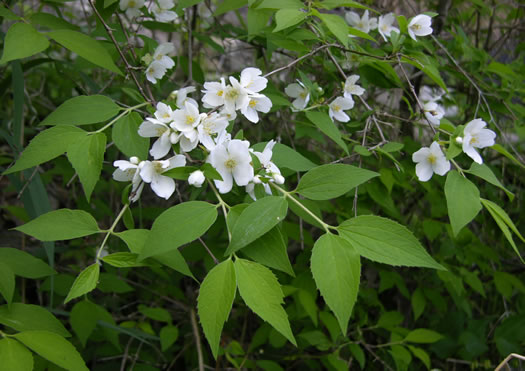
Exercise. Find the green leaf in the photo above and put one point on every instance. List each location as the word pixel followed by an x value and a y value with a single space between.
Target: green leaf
pixel 262 293
pixel 281 4
pixel 26 317
pixel 228 5
pixel 54 348
pixel 285 18
pixel 418 303
pixel 86 47
pixel 257 219
pixel 284 156
pixel 62 224
pixel 84 318
pixel 323 122
pixel 331 4
pixel 423 336
pixel 15 356
pixel 270 250
pixel 86 155
pixel 215 301
pixel 484 172
pixel 331 181
pixel 85 282
pixel 45 146
pixel 180 173
pixel 177 226
pixel 24 264
pixel 421 355
pixel 386 241
pixel 123 260
pixel 499 148
pixel 7 14
pixel 126 137
pixel 51 22
pixel 337 26
pixel 83 110
pixel 257 20
pixel 462 200
pixel 504 222
pixel 168 335
pixel 336 269
pixel 7 282
pixel 355 32
pixel 156 314
pixel 21 41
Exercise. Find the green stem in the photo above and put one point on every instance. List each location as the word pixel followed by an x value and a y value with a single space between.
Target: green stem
pixel 124 113
pixel 224 205
pixel 110 231
pixel 325 226
pixel 458 167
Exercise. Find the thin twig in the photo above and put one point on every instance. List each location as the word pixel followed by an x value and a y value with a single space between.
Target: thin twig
pixel 413 91
pixel 209 251
pixel 197 339
pixel 122 56
pixel 295 61
pixel 27 183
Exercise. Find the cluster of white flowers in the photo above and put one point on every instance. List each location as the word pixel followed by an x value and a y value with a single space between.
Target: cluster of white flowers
pixel 243 95
pixel 160 62
pixel 188 127
pixel 161 9
pixel 346 102
pixel 418 26
pixel 432 160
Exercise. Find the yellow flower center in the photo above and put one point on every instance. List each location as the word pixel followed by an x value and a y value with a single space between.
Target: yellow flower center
pixel 432 159
pixel 230 163
pixel 132 4
pixel 161 131
pixel 220 93
pixel 416 26
pixel 303 95
pixel 190 119
pixel 253 103
pixel 336 108
pixel 157 165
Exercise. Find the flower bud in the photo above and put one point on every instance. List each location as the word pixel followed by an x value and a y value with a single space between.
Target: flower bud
pixel 256 179
pixel 459 140
pixel 279 179
pixel 134 160
pixel 196 178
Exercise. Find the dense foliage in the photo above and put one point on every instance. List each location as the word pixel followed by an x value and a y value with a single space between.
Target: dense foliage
pixel 261 184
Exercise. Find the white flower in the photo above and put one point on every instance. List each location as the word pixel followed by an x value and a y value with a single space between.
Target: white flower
pixel 181 96
pixel 351 87
pixel 474 136
pixel 300 92
pixel 232 160
pixel 433 112
pixel 161 55
pixel 151 172
pixel 265 158
pixel 161 11
pixel 429 94
pixel 186 121
pixel 196 178
pixel 257 102
pixel 420 26
pixel 252 80
pixel 209 126
pixel 214 93
pixel 384 25
pixel 164 113
pixel 155 128
pixel 235 96
pixel 128 172
pixel 362 24
pixel 429 161
pixel 339 105
pixel 155 71
pixel 132 7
